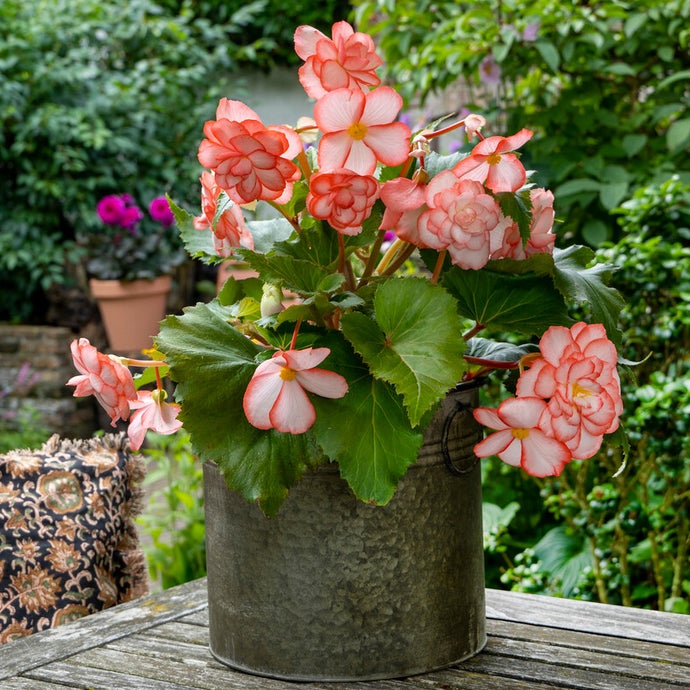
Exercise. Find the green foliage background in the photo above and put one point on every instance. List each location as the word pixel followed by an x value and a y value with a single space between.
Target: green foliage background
pixel 109 96
pixel 603 85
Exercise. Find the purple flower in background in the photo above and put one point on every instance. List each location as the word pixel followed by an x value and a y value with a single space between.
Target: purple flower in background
pixel 531 32
pixel 489 70
pixel 160 211
pixel 111 209
pixel 131 216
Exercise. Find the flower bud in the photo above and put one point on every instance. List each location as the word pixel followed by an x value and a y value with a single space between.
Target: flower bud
pixel 271 300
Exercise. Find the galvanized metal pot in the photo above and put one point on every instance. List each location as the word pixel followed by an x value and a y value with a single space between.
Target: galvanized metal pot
pixel 334 589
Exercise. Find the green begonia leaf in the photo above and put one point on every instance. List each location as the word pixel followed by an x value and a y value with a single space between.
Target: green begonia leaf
pixel 199 244
pixel 583 284
pixel 212 363
pixel 367 431
pixel 527 303
pixel 413 341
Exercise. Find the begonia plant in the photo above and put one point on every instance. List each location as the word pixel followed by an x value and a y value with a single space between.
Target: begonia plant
pixel 339 351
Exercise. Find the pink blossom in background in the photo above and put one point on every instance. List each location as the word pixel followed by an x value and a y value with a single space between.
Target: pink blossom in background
pixel 343 198
pixel 459 218
pixel 250 161
pixel 348 60
pixel 275 397
pixel 111 209
pixel 151 412
pixel 490 71
pixel 131 217
pixel 531 32
pixel 359 130
pixel 230 230
pixel 105 377
pixel 159 209
pixel 519 440
pixel 577 375
pixel 492 163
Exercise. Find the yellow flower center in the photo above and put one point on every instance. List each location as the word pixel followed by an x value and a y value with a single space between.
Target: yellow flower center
pixel 520 434
pixel 357 131
pixel 580 391
pixel 287 374
pixel 493 158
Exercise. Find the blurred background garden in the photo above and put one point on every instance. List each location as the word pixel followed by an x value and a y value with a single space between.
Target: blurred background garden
pixel 101 97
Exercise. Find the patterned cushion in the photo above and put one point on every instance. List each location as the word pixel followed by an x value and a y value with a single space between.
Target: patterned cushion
pixel 68 541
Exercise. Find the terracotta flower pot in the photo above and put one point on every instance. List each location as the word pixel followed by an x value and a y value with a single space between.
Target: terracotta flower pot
pixel 131 310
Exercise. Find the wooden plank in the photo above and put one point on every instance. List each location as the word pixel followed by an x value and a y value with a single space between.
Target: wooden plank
pixel 182 632
pixel 198 618
pixel 603 619
pixel 560 674
pixel 58 643
pixel 559 656
pixel 94 667
pixel 87 678
pixel 29 684
pixel 590 641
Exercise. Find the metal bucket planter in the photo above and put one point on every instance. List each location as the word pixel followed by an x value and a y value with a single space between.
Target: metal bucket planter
pixel 334 589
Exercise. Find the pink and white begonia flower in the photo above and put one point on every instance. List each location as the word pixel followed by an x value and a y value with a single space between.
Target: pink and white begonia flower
pixel 492 163
pixel 151 412
pixel 343 198
pixel 250 161
pixel 348 60
pixel 359 130
pixel 519 440
pixel 459 218
pixel 577 375
pixel 104 377
pixel 508 243
pixel 541 238
pixel 405 201
pixel 275 397
pixel 230 230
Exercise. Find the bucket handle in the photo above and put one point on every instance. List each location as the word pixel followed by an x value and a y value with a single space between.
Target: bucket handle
pixel 468 461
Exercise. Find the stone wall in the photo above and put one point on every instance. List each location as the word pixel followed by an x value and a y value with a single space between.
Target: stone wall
pixel 45 349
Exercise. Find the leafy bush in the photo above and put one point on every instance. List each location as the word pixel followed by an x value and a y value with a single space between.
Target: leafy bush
pixel 603 85
pixel 98 96
pixel 20 422
pixel 174 519
pixel 272 23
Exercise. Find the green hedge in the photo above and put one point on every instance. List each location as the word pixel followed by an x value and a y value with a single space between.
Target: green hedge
pixel 604 86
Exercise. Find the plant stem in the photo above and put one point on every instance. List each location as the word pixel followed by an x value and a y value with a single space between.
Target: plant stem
pixel 373 258
pixel 472 332
pixel 439 265
pixel 399 260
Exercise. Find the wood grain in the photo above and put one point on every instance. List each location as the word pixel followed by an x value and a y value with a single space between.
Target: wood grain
pixel 535 642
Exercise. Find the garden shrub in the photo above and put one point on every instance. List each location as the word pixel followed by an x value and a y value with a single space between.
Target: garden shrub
pixel 271 26
pixel 603 85
pixel 173 521
pixel 98 97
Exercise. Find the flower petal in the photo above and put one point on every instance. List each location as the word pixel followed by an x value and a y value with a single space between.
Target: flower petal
pixel 293 412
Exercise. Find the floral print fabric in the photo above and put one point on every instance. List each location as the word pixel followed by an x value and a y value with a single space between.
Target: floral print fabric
pixel 68 541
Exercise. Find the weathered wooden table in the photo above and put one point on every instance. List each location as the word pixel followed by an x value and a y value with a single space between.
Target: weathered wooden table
pixel 160 643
